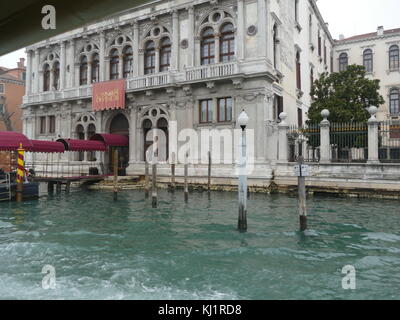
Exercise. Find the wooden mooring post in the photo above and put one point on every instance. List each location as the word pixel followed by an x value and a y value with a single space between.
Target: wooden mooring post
pixel 173 172
pixel 154 183
pixel 58 187
pixel 209 172
pixel 301 173
pixel 20 173
pixel 186 187
pixel 68 187
pixel 115 166
pixel 146 179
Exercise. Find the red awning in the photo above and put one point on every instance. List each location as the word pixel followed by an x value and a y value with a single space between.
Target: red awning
pixel 47 146
pixel 82 145
pixel 111 140
pixel 10 141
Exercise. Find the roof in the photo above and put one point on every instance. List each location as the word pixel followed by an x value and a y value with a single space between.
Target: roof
pixel 82 145
pixel 111 140
pixel 369 35
pixel 47 146
pixel 11 141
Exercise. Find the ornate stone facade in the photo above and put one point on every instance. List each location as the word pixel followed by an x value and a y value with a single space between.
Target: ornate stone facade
pixel 254 71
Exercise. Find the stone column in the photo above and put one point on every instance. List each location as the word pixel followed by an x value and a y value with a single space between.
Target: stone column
pixel 216 39
pixel 102 57
pixel 373 136
pixel 141 62
pixel 135 48
pixel 240 30
pixel 89 76
pixel 36 79
pixel 325 139
pixel 191 48
pixel 175 41
pixel 62 65
pixel 28 72
pixel 157 58
pixel 283 128
pixel 51 79
pixel 72 64
pixel 120 66
pixel 262 33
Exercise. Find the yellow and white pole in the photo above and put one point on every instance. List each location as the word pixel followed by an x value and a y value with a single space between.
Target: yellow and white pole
pixel 20 173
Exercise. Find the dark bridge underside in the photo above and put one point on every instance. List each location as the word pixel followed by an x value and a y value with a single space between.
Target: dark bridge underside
pixel 21 20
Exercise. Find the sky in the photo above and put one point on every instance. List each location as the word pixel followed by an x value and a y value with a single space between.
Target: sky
pixel 347 17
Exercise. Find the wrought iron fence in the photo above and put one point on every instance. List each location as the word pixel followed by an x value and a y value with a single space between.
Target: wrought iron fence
pixel 304 141
pixel 389 141
pixel 349 142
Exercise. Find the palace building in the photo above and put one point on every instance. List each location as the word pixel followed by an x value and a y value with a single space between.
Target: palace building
pixel 379 53
pixel 199 63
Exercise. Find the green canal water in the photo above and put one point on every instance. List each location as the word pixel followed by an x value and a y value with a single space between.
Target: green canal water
pixel 102 249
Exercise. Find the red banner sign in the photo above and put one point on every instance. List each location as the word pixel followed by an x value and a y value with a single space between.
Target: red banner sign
pixel 108 95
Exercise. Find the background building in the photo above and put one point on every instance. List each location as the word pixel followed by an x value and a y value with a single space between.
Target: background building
pixel 197 62
pixel 12 90
pixel 379 53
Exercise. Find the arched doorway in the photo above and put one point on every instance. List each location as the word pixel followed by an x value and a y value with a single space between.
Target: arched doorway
pixel 120 125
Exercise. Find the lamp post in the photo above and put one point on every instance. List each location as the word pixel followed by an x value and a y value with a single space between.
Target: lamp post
pixel 243 120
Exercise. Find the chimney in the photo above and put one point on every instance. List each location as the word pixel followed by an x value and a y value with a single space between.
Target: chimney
pixel 380 31
pixel 21 63
pixel 341 37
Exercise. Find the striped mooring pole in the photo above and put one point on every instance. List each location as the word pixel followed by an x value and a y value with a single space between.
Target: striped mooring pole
pixel 20 173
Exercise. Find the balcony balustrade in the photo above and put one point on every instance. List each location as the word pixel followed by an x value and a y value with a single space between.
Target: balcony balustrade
pixel 137 83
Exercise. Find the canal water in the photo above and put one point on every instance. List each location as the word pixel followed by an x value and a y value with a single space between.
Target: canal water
pixel 102 249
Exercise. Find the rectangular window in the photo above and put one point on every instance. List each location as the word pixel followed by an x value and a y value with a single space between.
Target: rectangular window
pixel 52 124
pixel 225 109
pixel 1 88
pixel 299 117
pixel 206 111
pixel 42 125
pixel 1 108
pixel 278 107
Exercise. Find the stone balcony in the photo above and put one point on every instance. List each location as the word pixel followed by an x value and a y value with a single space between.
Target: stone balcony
pixel 218 70
pixel 139 83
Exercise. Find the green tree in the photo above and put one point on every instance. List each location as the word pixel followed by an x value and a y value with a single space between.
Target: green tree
pixel 344 94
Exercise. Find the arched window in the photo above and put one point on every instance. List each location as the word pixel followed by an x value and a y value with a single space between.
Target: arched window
pixel 114 62
pixel 394 101
pixel 275 45
pixel 368 60
pixel 227 43
pixel 149 58
pixel 56 75
pixel 127 61
pixel 298 70
pixel 165 54
pixel 394 57
pixel 207 46
pixel 146 125
pixel 95 68
pixel 46 77
pixel 83 70
pixel 343 61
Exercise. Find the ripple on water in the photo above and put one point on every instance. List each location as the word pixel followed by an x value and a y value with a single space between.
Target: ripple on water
pixel 126 250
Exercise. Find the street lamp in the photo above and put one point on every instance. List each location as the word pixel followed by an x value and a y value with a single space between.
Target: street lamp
pixel 243 120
